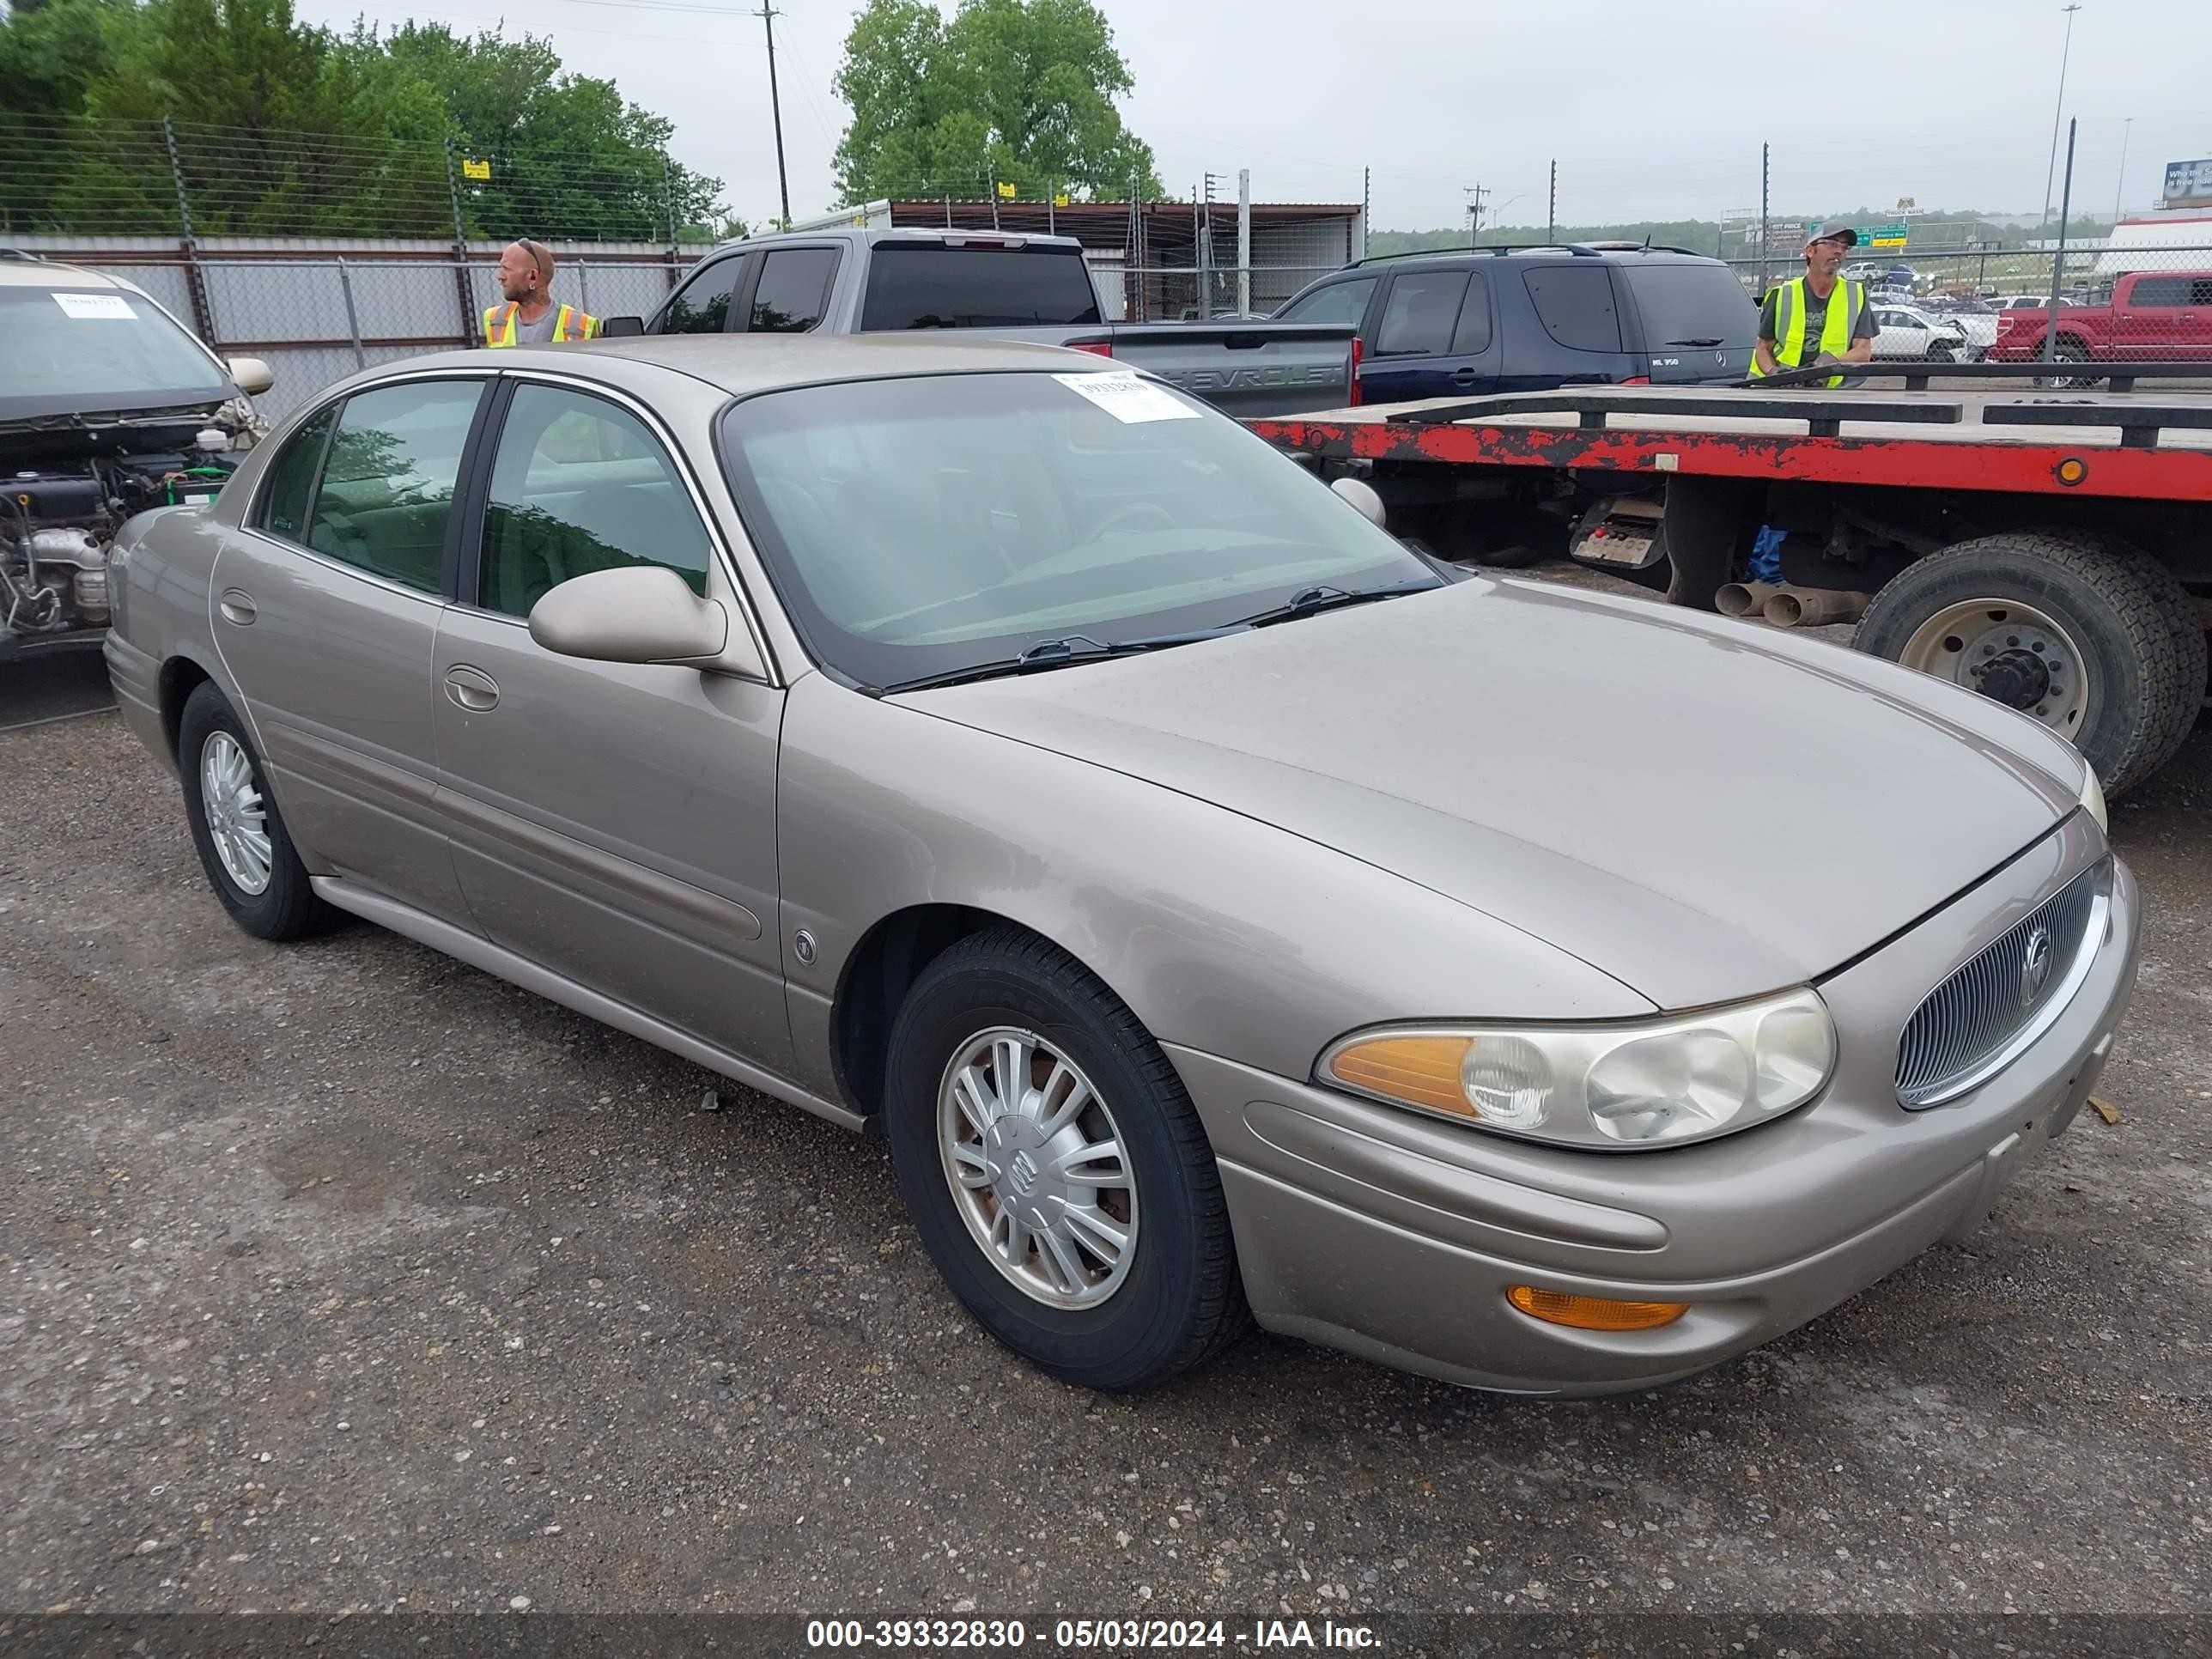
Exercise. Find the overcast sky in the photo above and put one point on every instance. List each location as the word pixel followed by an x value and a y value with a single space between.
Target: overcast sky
pixel 1647 107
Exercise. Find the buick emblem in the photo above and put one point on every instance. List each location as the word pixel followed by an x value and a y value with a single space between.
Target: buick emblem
pixel 1022 1174
pixel 2035 967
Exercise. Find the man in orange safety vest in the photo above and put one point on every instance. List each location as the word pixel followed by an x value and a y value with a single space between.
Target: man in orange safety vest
pixel 530 317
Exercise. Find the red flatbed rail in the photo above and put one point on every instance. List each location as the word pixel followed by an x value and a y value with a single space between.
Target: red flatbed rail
pixel 2155 445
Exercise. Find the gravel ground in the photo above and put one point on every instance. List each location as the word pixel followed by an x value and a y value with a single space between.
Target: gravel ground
pixel 339 1276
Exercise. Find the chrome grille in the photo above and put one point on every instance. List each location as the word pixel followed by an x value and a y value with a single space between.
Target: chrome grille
pixel 1975 1022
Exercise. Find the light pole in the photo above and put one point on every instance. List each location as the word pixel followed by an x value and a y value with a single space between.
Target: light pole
pixel 2120 187
pixel 2050 173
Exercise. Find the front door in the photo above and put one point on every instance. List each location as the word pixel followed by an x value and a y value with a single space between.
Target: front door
pixel 1434 339
pixel 613 824
pixel 327 602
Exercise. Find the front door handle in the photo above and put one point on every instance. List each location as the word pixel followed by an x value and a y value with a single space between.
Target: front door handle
pixel 472 687
pixel 1463 377
pixel 237 606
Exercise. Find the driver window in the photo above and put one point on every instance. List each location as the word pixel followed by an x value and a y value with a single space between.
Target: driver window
pixel 579 484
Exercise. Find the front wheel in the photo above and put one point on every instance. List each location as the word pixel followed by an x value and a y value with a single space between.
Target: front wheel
pixel 1055 1169
pixel 2078 635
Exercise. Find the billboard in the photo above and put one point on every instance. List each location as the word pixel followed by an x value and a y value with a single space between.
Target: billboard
pixel 2189 184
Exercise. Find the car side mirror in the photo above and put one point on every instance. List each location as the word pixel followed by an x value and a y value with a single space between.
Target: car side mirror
pixel 613 328
pixel 645 614
pixel 252 374
pixel 1361 495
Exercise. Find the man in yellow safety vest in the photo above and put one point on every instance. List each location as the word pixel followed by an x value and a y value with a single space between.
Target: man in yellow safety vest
pixel 530 317
pixel 1820 311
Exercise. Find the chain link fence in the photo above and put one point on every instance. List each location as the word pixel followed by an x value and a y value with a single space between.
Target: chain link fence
pixel 316 320
pixel 2123 297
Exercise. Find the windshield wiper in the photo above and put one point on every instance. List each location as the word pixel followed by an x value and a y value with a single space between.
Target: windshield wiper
pixel 1060 654
pixel 1310 601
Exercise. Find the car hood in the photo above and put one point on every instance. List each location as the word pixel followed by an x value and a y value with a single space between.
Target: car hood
pixel 1703 809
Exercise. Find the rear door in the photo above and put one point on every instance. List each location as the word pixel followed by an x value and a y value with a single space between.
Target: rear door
pixel 1691 322
pixel 1577 337
pixel 2197 320
pixel 788 291
pixel 1433 338
pixel 2156 322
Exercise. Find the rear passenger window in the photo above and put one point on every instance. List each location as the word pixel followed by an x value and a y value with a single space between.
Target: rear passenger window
pixel 1345 302
pixel 292 480
pixel 1472 335
pixel 1574 303
pixel 579 484
pixel 793 290
pixel 1422 312
pixel 387 488
pixel 2161 291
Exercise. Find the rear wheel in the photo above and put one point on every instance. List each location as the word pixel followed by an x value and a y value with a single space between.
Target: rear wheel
pixel 240 835
pixel 1055 1169
pixel 2080 636
pixel 2067 351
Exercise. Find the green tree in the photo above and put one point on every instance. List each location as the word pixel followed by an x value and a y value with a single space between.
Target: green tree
pixel 1015 91
pixel 284 128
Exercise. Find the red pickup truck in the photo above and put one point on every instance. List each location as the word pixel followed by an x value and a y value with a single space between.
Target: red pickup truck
pixel 2163 316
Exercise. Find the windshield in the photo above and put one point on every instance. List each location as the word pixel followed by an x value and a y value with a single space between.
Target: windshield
pixel 921 526
pixel 1690 305
pixel 68 345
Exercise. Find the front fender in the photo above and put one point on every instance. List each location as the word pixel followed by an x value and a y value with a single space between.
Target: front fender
pixel 1221 933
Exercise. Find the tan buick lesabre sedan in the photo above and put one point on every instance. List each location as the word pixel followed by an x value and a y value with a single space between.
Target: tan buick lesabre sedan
pixel 1226 912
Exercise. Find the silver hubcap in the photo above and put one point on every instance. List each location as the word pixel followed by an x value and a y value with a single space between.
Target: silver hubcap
pixel 1036 1168
pixel 236 820
pixel 2011 652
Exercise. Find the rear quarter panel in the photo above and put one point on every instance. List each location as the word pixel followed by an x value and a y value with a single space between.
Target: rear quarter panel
pixel 163 572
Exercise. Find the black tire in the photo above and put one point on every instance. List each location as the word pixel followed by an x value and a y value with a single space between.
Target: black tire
pixel 288 907
pixel 1939 354
pixel 1183 1301
pixel 2119 606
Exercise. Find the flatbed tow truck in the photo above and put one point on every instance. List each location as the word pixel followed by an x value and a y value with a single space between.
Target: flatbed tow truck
pixel 2047 546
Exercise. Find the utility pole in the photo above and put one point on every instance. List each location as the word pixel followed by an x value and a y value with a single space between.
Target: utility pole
pixel 2059 110
pixel 768 15
pixel 1552 212
pixel 1366 206
pixel 1763 233
pixel 1474 193
pixel 1243 241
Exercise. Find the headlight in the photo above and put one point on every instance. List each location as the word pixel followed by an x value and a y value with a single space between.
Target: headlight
pixel 1609 1088
pixel 2092 798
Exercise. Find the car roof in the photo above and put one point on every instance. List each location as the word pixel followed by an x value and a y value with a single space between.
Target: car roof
pixel 1524 253
pixel 22 271
pixel 743 363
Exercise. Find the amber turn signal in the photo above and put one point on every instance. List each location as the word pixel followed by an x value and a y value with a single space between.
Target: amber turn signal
pixel 1421 1070
pixel 1594 1313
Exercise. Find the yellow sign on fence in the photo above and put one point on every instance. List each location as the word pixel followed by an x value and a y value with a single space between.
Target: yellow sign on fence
pixel 1005 193
pixel 1061 200
pixel 477 170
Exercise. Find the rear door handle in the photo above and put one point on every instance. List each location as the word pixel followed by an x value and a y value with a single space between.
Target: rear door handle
pixel 472 687
pixel 237 606
pixel 1463 377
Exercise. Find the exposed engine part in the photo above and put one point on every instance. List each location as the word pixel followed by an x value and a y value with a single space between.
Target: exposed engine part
pixel 58 524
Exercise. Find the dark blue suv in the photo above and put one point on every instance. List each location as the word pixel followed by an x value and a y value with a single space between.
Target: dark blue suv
pixel 1465 322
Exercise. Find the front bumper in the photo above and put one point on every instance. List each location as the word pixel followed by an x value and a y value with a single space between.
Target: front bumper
pixel 1396 1237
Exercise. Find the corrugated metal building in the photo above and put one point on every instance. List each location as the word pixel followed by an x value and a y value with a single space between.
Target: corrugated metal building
pixel 1157 261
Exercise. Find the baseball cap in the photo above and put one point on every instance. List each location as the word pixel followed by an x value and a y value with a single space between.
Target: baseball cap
pixel 1843 234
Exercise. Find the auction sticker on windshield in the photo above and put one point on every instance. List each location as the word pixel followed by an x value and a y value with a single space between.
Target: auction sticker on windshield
pixel 95 307
pixel 1126 399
